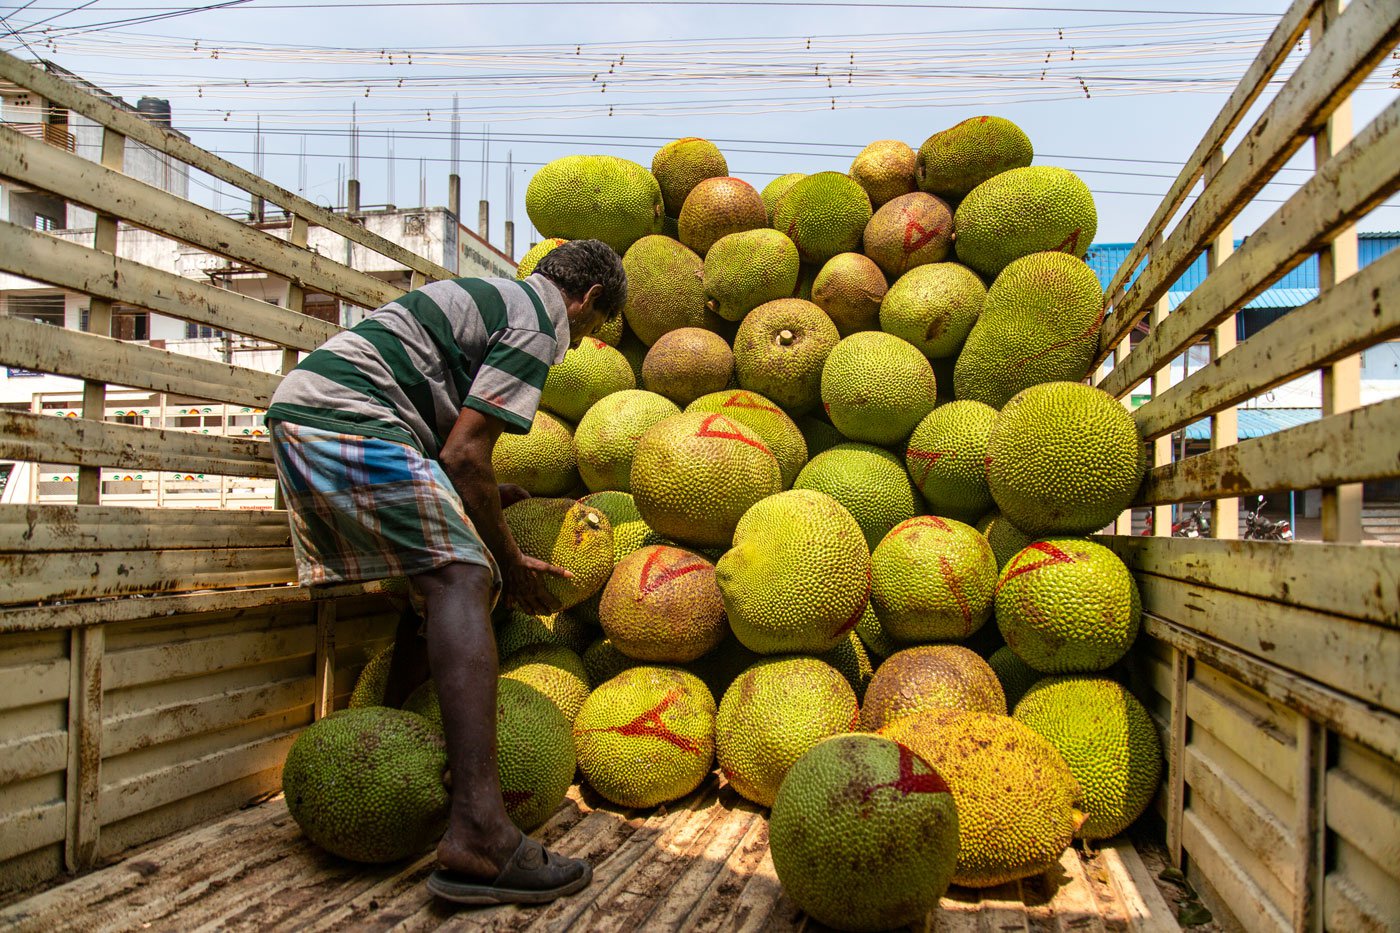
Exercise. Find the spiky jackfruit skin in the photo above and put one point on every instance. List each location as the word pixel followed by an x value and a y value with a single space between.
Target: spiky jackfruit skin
pixel 717 207
pixel 611 331
pixel 776 188
pixel 869 481
pixel 590 371
pixel 607 436
pixel 1108 741
pixel 1016 676
pixel 603 662
pixel 554 671
pixel 952 162
pixel 911 231
pixel 819 434
pixel 694 475
pixel 665 289
pixel 534 254
pixel 630 531
pixel 779 352
pixel 772 715
pixel 662 606
pixel 849 287
pixel 746 269
pixel 1023 211
pixel 568 534
pixel 885 169
pixel 1064 458
pixel 876 388
pixel 543 461
pixel 595 197
pixel 366 784
pixel 934 579
pixel 946 457
pixel 1039 323
pixel 687 363
pixel 534 753
pixel 824 214
pixel 519 629
pixel 878 643
pixel 930 677
pixel 681 165
pixel 770 422
pixel 374 676
pixel 852 660
pixel 1068 605
pixel 722 666
pixel 864 834
pixel 1005 538
pixel 1017 800
pixel 646 736
pixel 798 576
pixel 934 307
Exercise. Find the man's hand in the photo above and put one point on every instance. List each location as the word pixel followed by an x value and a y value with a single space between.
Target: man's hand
pixel 511 494
pixel 525 584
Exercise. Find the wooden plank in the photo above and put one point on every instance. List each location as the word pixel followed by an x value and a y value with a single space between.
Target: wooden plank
pixel 68 265
pixel 1224 424
pixel 1074 907
pixel 688 893
pixel 1178 735
pixel 62 93
pixel 33 528
pixel 1255 741
pixel 1346 716
pixel 1365 818
pixel 1272 54
pixel 31 828
pixel 50 439
pixel 1324 330
pixel 171 721
pixel 48 349
pixel 1244 898
pixel 104 239
pixel 26 578
pixel 1356 43
pixel 83 796
pixel 58 618
pixel 1345 189
pixel 1147 910
pixel 1310 826
pixel 1302 457
pixel 715 905
pixel 194 656
pixel 28 684
pixel 29 756
pixel 1268 838
pixel 1347 909
pixel 1303 574
pixel 324 690
pixel 36 164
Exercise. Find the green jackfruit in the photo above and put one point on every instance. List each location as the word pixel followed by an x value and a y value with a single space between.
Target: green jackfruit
pixel 1023 211
pixel 595 197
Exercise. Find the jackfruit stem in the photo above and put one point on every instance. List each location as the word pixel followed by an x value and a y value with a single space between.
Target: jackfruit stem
pixel 712 306
pixel 1079 817
pixel 785 337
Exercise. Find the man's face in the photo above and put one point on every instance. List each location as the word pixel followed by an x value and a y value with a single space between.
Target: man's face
pixel 584 317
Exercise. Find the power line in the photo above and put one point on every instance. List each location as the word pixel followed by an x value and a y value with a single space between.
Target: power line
pixel 844 4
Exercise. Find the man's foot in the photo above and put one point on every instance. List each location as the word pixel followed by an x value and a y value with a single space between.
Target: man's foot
pixel 531 875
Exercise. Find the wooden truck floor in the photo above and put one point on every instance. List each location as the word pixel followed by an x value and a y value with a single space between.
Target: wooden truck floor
pixel 701 864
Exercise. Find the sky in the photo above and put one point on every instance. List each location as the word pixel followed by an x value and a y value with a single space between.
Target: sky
pixel 1116 90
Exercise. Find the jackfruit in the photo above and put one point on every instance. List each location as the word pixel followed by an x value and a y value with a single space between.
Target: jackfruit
pixel 687 363
pixel 1016 676
pixel 556 672
pixel 952 162
pixel 869 481
pixel 717 207
pixel 746 269
pixel 779 352
pixel 534 254
pixel 930 677
pixel 595 197
pixel 665 289
pixel 1023 211
pixel 946 458
pixel 823 214
pixel 934 307
pixel 776 188
pixel 603 662
pixel 518 629
pixel 933 579
pixel 876 388
pixel 569 535
pixel 534 753
pixel 590 371
pixel 779 432
pixel 662 606
pixel 374 677
pixel 910 231
pixel 630 532
pixel 543 461
pixel 849 288
pixel 681 165
pixel 1005 538
pixel 607 436
pixel 885 169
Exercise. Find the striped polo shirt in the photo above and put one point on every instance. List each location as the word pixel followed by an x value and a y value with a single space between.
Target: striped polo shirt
pixel 407 370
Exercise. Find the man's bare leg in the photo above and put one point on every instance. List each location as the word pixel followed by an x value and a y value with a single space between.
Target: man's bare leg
pixel 408 667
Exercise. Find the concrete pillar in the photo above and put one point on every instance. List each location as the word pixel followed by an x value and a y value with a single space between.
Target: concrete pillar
pixel 483 221
pixel 510 239
pixel 454 195
pixel 352 196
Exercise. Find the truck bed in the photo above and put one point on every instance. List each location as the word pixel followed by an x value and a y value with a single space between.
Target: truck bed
pixel 701 864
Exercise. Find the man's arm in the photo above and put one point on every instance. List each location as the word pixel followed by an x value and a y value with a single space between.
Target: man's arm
pixel 466 458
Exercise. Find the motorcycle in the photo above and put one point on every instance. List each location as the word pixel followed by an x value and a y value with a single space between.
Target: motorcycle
pixel 1195 525
pixel 1259 528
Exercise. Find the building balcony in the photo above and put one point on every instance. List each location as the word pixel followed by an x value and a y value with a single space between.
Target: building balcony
pixel 52 133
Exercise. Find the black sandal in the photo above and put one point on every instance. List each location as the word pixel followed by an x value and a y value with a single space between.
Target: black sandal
pixel 533 875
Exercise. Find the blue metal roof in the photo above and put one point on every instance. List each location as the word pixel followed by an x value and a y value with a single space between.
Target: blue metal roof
pixel 1256 422
pixel 1297 287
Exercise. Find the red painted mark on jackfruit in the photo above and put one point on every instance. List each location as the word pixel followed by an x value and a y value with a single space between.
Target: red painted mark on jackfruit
pixel 925 521
pixel 950 577
pixel 917 236
pixel 1087 332
pixel 732 434
pixel 649 725
pixel 516 798
pixel 826 407
pixel 649 583
pixel 926 459
pixel 1070 243
pixel 908 782
pixel 748 400
pixel 1053 555
pixel 855 618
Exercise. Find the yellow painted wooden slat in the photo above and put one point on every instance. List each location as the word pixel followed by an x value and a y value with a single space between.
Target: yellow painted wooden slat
pixel 33 682
pixel 27 578
pixel 32 755
pixel 65 94
pixel 1268 838
pixel 204 655
pixel 81 181
pixel 30 829
pixel 1352 47
pixel 32 528
pixel 91 272
pixel 50 439
pixel 47 349
pixel 1301 457
pixel 1301 574
pixel 1345 189
pixel 1366 819
pixel 171 721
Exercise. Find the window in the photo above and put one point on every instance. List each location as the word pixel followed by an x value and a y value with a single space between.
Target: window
pixel 131 325
pixel 200 331
pixel 46 309
pixel 46 224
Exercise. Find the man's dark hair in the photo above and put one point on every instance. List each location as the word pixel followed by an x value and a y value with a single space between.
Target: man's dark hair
pixel 578 265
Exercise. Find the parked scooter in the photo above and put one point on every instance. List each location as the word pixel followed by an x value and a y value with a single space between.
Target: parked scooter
pixel 1259 528
pixel 1195 525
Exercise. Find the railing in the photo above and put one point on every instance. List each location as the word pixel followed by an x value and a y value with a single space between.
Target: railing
pixel 50 133
pixel 1272 667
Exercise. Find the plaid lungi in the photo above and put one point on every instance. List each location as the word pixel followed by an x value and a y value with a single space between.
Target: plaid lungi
pixel 365 508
